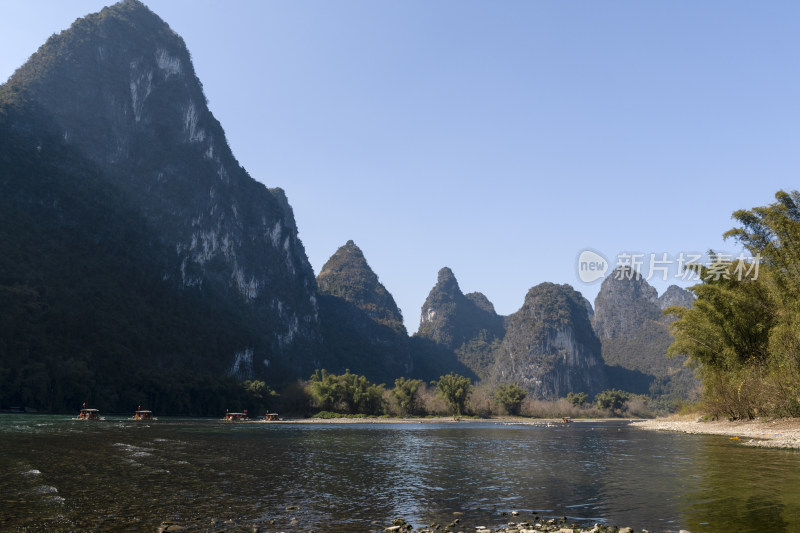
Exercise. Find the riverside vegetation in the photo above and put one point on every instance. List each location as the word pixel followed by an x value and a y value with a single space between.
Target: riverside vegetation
pixel 327 395
pixel 743 332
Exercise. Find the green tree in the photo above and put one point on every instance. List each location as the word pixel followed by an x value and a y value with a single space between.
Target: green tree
pixel 577 399
pixel 728 325
pixel 726 336
pixel 772 233
pixel 362 396
pixel 612 399
pixel 325 390
pixel 406 391
pixel 259 395
pixel 510 396
pixel 454 389
pixel 345 393
pixel 743 331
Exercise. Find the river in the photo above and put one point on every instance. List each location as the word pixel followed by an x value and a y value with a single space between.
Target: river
pixel 58 474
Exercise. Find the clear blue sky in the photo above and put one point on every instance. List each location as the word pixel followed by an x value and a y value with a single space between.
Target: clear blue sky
pixel 497 138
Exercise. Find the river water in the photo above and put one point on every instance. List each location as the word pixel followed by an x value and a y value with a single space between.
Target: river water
pixel 58 474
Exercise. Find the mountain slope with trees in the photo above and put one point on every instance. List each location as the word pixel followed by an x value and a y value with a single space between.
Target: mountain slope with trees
pixel 466 325
pixel 635 337
pixel 155 270
pixel 550 348
pixel 362 328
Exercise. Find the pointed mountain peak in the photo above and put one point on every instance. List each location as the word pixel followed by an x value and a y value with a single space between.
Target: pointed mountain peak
pixel 627 280
pixel 445 274
pixel 347 257
pixel 447 284
pixel 675 295
pixel 563 297
pixel 347 275
pixel 132 4
pixel 119 80
pixel 625 301
pixel 130 7
pixel 450 319
pixel 97 38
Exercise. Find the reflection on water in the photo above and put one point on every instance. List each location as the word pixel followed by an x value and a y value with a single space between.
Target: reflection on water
pixel 744 486
pixel 61 475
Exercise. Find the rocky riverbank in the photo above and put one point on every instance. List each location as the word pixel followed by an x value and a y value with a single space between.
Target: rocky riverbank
pixel 536 526
pixel 517 523
pixel 779 433
pixel 507 420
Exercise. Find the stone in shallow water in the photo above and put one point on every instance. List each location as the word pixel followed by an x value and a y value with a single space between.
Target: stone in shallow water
pixel 169 527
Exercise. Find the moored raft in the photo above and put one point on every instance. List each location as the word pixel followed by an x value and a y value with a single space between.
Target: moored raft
pixel 89 414
pixel 143 414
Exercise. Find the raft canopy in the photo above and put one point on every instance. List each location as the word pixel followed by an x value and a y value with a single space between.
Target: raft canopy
pixel 89 414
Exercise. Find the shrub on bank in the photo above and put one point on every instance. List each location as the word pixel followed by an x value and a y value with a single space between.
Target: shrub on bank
pixel 325 415
pixel 348 395
pixel 558 409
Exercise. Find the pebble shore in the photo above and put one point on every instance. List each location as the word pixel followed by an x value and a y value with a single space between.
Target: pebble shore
pixel 537 526
pixel 780 433
pixel 530 523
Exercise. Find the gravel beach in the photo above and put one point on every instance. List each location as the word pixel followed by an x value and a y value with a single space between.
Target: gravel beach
pixel 765 433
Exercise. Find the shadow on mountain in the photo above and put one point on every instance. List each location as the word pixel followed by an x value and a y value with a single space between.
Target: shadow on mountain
pixel 629 380
pixel 432 360
pixel 352 340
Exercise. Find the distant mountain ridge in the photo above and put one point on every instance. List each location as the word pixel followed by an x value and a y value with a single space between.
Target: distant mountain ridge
pixel 557 343
pixel 548 346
